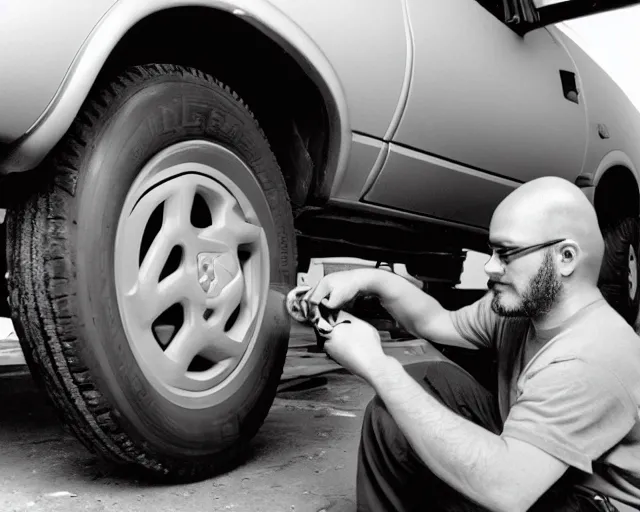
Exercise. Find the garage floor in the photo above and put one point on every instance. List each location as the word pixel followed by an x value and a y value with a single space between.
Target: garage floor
pixel 303 459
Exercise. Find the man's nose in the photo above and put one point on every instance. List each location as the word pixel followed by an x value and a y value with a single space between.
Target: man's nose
pixel 494 266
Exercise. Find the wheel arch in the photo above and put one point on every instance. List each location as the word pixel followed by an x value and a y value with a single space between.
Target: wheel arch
pixel 616 192
pixel 304 66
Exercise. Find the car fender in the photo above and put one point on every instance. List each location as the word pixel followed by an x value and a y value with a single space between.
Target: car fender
pixel 615 158
pixel 39 39
pixel 588 181
pixel 31 148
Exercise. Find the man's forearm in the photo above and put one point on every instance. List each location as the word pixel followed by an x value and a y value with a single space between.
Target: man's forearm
pixel 403 300
pixel 466 456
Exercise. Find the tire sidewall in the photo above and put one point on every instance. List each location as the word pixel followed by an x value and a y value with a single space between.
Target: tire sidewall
pixel 613 280
pixel 149 118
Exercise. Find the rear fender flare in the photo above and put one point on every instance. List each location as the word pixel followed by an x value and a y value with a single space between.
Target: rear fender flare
pixel 588 181
pixel 612 159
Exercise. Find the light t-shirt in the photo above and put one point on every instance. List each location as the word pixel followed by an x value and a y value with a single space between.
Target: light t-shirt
pixel 578 398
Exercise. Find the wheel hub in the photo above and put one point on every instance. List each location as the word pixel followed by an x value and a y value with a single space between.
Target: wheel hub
pixel 216 271
pixel 191 275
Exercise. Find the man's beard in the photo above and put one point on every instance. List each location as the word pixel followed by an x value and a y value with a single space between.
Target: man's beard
pixel 538 298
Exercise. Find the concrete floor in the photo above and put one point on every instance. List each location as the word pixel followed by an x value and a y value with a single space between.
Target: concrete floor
pixel 303 459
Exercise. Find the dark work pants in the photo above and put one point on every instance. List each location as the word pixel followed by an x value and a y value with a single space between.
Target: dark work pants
pixel 392 478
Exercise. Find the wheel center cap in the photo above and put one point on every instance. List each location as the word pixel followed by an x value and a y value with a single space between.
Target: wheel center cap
pixel 216 271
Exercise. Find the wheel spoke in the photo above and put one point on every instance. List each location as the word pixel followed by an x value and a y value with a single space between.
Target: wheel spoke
pixel 232 234
pixel 155 259
pixel 243 232
pixel 150 298
pixel 186 344
pixel 219 346
pixel 137 304
pixel 176 287
pixel 230 226
pixel 201 242
pixel 177 208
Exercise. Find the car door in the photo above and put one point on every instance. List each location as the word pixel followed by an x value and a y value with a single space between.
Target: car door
pixel 487 109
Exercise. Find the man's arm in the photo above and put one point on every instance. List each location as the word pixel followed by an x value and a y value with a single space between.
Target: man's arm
pixel 502 474
pixel 418 312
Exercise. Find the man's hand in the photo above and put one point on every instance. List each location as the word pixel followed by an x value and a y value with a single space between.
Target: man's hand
pixel 356 346
pixel 338 289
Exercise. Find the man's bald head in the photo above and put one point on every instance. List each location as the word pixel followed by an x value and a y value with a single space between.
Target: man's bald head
pixel 550 208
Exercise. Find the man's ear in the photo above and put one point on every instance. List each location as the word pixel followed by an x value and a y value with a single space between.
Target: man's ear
pixel 568 257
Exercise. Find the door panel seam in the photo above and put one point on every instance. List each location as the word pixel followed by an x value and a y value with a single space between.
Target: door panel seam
pixel 408 75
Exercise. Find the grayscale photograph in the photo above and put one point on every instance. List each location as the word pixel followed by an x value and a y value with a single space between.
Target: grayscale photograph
pixel 319 256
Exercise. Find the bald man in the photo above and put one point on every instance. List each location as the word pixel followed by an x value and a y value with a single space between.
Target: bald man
pixel 562 434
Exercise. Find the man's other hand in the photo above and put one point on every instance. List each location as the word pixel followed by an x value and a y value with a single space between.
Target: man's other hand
pixel 355 345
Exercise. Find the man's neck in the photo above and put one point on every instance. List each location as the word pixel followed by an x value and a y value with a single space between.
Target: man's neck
pixel 567 306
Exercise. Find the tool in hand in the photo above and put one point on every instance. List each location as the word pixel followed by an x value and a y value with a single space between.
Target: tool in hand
pixel 320 317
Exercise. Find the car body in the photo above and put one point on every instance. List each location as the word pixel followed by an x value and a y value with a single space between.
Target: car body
pixel 398 125
pixel 434 111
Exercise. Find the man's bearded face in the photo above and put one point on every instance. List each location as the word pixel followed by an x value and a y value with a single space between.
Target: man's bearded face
pixel 538 297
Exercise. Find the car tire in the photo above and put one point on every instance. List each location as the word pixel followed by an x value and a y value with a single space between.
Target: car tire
pixel 4 294
pixel 620 269
pixel 158 138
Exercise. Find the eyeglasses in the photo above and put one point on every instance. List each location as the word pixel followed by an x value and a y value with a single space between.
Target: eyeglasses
pixel 507 254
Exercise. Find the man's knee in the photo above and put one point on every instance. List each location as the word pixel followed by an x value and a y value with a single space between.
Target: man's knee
pixel 376 416
pixel 459 391
pixel 378 426
pixel 438 376
pixel 382 435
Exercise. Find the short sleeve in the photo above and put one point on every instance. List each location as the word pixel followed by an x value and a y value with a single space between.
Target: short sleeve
pixel 477 322
pixel 572 410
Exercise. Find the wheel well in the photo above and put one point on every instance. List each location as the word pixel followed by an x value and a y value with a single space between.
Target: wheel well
pixel 286 102
pixel 616 196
